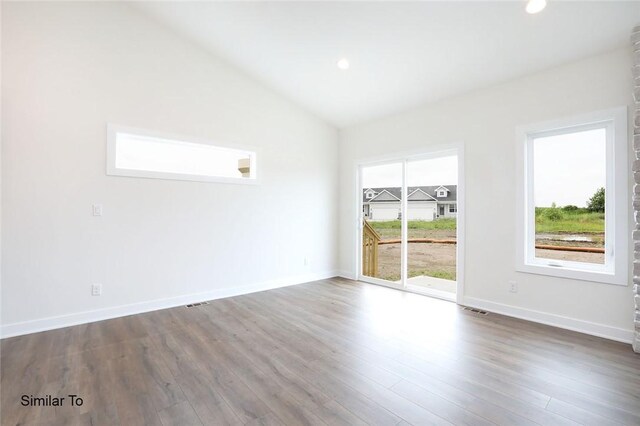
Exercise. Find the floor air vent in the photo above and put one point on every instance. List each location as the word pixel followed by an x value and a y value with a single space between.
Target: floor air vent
pixel 475 311
pixel 193 305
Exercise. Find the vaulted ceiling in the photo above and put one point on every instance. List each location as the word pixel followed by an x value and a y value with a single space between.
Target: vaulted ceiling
pixel 401 54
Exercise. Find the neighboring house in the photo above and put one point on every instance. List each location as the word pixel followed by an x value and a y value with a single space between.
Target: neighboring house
pixel 423 202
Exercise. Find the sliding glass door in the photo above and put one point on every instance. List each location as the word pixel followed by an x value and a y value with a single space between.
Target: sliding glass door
pixel 381 223
pixel 409 223
pixel 432 210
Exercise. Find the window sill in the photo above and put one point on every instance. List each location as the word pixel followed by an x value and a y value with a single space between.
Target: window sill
pixel 602 277
pixel 113 171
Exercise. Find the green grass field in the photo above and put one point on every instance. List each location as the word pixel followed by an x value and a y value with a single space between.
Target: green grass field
pixel 439 228
pixel 549 219
pixel 416 224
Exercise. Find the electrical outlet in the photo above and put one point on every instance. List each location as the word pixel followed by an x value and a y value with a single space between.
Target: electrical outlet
pixel 96 289
pixel 97 209
pixel 513 286
pixel 306 261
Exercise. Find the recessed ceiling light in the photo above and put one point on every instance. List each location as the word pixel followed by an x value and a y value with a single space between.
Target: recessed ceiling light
pixel 535 6
pixel 343 64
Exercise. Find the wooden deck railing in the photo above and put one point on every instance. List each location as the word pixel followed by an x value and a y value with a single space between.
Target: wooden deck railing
pixel 370 241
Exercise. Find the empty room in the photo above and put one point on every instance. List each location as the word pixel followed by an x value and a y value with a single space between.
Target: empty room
pixel 320 213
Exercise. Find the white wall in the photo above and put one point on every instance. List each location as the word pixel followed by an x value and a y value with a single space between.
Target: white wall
pixel 485 121
pixel 71 68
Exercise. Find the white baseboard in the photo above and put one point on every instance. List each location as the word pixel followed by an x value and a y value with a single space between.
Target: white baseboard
pixel 587 327
pixel 346 274
pixel 50 323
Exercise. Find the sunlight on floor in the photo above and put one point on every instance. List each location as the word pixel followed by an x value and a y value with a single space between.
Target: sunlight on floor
pixel 396 314
pixel 433 283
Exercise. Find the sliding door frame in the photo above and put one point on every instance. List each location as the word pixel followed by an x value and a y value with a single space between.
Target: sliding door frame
pixel 404 158
pixel 360 223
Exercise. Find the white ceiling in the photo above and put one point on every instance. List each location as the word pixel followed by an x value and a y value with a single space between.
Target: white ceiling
pixel 401 54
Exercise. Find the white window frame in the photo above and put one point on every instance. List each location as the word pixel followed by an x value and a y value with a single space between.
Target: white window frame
pixel 113 130
pixel 615 270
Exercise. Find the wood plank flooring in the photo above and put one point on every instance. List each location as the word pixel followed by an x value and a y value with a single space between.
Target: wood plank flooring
pixel 324 353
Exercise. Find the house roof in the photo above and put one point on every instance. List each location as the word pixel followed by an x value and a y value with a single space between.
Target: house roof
pixel 420 195
pixel 397 193
pixel 384 195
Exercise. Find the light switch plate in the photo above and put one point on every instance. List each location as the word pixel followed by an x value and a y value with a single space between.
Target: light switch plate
pixel 96 289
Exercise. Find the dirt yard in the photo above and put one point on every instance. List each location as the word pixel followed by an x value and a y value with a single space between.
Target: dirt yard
pixel 439 260
pixel 434 260
pixel 594 240
pixel 572 256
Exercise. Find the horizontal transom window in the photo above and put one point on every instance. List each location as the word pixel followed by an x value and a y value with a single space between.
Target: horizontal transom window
pixel 141 153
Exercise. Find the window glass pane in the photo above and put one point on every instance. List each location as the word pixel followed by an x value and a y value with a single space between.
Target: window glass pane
pixel 569 172
pixel 382 227
pixel 432 223
pixel 137 152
